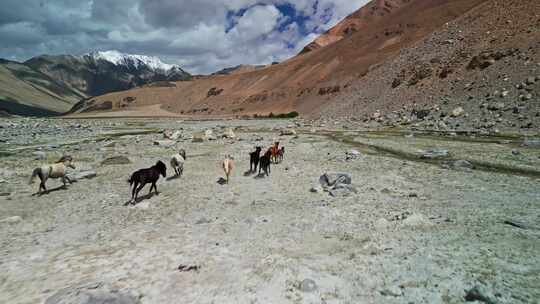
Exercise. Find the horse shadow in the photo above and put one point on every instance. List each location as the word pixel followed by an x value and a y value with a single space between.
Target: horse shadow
pixel 249 173
pixel 222 181
pixel 260 176
pixel 52 190
pixel 140 199
pixel 170 178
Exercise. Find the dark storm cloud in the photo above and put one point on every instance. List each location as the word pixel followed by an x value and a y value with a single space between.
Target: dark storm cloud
pixel 201 35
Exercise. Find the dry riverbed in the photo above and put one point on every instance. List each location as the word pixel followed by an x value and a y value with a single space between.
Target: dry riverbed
pixel 407 232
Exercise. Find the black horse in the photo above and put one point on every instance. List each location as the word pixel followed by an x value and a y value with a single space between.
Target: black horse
pixel 144 176
pixel 264 163
pixel 254 158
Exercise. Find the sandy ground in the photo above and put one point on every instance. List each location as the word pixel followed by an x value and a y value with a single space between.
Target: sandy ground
pixel 413 232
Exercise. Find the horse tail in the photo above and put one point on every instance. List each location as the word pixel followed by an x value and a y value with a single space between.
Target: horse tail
pixel 36 172
pixel 130 180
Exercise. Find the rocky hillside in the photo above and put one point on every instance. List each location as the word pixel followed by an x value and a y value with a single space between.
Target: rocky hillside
pixel 98 73
pixel 307 83
pixel 480 71
pixel 25 91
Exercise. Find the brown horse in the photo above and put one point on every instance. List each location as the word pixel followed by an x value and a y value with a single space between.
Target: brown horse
pixel 274 152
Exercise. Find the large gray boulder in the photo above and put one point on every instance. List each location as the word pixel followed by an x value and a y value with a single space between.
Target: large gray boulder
pixel 76 176
pixel 334 180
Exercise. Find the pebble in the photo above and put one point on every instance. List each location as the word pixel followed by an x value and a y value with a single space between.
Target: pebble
pixel 308 285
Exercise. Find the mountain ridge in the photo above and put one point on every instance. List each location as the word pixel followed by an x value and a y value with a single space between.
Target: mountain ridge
pixel 306 83
pixel 76 77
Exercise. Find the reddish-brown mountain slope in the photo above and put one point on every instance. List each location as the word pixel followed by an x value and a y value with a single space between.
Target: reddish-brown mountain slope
pixel 357 21
pixel 305 83
pixel 484 66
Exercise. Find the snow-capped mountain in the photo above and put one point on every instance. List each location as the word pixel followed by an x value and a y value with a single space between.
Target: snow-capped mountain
pixel 136 61
pixel 98 73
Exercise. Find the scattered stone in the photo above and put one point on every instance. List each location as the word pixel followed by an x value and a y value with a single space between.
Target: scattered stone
pixel 417 220
pixel 164 143
pixel 169 134
pixel 288 132
pixel 435 153
pixel 331 180
pixel 496 106
pixel 526 97
pixel 188 268
pixel 74 177
pixel 520 224
pixel 393 291
pixel 11 220
pixel 531 143
pixel 39 155
pixel 530 80
pixel 458 112
pixel 202 221
pixel 307 285
pixel 462 165
pixel 92 294
pixel 199 137
pixel 382 223
pixel 516 152
pixel 316 189
pixel 478 294
pixel 116 160
pixel 352 155
pixel 112 144
pixel 209 135
pixel 229 134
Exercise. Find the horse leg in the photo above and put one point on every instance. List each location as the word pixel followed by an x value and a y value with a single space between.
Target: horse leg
pixel 134 191
pixel 155 188
pixel 42 183
pixel 137 191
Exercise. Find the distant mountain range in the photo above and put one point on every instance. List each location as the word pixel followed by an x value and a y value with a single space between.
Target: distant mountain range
pixel 53 84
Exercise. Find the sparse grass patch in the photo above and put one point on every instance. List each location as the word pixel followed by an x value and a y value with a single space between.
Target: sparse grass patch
pixel 289 115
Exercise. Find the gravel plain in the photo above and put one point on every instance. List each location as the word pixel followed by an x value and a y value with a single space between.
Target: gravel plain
pixel 410 232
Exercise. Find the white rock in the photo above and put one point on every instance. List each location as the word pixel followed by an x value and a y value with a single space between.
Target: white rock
pixel 417 220
pixel 458 112
pixel 288 132
pixel 11 220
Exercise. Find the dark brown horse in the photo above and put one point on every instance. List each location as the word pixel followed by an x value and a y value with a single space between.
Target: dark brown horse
pixel 254 158
pixel 264 163
pixel 144 176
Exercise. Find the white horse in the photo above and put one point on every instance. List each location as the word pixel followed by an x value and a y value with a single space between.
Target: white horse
pixel 228 166
pixel 56 170
pixel 177 162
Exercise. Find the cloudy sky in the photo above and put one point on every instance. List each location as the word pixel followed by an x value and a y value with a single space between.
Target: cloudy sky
pixel 201 35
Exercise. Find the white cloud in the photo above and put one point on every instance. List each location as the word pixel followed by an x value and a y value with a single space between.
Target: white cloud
pixel 202 35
